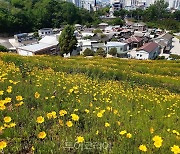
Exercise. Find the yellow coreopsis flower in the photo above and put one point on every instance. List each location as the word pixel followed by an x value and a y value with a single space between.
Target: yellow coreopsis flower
pixel 32 148
pixel 157 139
pixel 3 144
pixel 7 119
pixel 80 139
pixel 19 98
pixel 19 104
pixel 7 100
pixel 157 144
pixel 119 123
pixel 62 113
pixel 151 130
pixel 99 114
pixel 1 128
pixel 75 117
pixel 1 92
pixel 97 132
pixel 12 124
pixel 123 132
pixel 3 107
pixel 107 124
pixel 143 148
pixel 61 122
pixel 9 90
pixel 40 119
pixel 42 135
pixel 86 110
pixel 54 114
pixel 69 123
pixel 49 115
pixel 128 135
pixel 36 95
pixel 175 149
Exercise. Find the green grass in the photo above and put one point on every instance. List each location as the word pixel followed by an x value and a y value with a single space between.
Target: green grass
pixel 178 37
pixel 132 95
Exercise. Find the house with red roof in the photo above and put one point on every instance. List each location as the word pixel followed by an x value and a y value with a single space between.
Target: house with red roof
pixel 148 51
pixel 134 42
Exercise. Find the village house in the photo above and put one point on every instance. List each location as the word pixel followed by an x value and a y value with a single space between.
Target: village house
pixel 134 42
pixel 8 45
pixel 122 48
pixel 84 44
pixel 101 37
pixel 148 51
pixel 78 27
pixel 165 42
pixel 45 31
pixel 102 26
pixel 139 26
pixel 47 45
pixel 96 46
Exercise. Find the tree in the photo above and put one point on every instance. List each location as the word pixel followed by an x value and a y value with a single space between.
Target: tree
pixel 100 52
pixel 18 16
pixel 113 51
pixel 97 31
pixel 67 40
pixel 177 15
pixel 156 11
pixel 88 52
pixel 121 13
pixel 117 21
pixel 3 49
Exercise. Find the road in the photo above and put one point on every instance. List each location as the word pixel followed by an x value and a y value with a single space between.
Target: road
pixel 176 46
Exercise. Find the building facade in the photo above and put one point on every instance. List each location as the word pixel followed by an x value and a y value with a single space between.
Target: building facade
pixel 133 4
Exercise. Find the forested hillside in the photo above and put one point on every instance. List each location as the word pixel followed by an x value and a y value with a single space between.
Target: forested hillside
pixel 30 15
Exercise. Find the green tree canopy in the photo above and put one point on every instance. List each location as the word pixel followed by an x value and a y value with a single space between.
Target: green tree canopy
pixel 88 52
pixel 30 15
pixel 3 49
pixel 100 52
pixel 113 51
pixel 67 40
pixel 156 11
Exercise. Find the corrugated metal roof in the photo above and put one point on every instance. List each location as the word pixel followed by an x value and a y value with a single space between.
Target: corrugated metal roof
pixel 148 47
pixel 35 47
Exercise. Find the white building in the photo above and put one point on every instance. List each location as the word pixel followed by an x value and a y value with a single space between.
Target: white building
pixel 133 4
pixel 45 31
pixel 148 51
pixel 122 48
pixel 47 45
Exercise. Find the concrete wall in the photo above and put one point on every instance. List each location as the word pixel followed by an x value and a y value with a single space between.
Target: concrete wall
pixel 24 53
pixel 145 55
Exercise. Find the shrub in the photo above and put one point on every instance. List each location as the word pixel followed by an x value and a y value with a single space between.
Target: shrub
pixel 36 34
pixel 3 49
pixel 113 51
pixel 160 58
pixel 88 52
pixel 97 31
pixel 100 52
pixel 174 56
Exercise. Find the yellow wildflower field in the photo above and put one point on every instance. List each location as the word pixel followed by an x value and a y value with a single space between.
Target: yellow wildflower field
pixel 77 105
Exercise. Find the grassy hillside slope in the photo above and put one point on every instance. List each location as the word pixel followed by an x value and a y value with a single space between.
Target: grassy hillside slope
pixel 88 105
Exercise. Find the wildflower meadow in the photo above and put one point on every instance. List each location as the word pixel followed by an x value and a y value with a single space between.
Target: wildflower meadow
pixel 51 105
